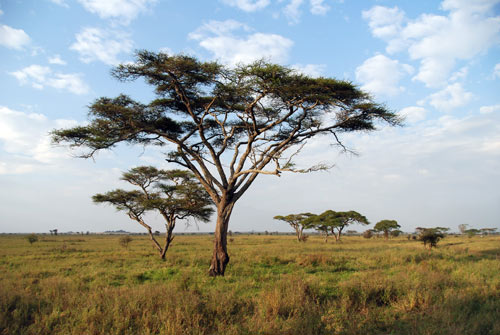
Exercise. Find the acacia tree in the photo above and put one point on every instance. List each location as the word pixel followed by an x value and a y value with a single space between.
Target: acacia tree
pixel 336 222
pixel 226 125
pixel 386 226
pixel 297 222
pixel 175 194
pixel 431 236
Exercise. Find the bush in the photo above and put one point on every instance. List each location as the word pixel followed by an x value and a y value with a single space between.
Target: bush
pixel 32 238
pixel 431 236
pixel 124 241
pixel 368 233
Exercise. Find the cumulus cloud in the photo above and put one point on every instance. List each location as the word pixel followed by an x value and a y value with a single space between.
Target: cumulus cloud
pixel 123 11
pixel 451 97
pixel 248 5
pixel 438 41
pixel 380 75
pixel 496 70
pixel 489 109
pixel 413 114
pixel 13 38
pixel 57 60
pixel 41 76
pixel 233 42
pixel 292 11
pixel 25 138
pixel 318 7
pixel 94 44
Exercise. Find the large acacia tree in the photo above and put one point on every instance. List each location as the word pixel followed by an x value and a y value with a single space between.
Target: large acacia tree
pixel 226 125
pixel 174 194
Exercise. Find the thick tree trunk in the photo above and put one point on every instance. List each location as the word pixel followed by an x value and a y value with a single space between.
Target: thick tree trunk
pixel 220 257
pixel 168 239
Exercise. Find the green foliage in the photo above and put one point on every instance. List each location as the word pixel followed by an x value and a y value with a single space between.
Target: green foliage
pixel 386 226
pixel 299 222
pixel 472 232
pixel 32 238
pixel 431 236
pixel 335 222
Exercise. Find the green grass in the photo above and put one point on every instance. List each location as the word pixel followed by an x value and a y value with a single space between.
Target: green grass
pixel 273 285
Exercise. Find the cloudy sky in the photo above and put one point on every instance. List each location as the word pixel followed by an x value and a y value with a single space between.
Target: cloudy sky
pixel 435 62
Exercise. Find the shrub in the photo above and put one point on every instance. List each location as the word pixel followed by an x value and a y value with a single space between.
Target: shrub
pixel 124 241
pixel 32 238
pixel 431 236
pixel 368 233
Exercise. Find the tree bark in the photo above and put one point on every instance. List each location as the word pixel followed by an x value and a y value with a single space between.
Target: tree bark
pixel 168 239
pixel 220 257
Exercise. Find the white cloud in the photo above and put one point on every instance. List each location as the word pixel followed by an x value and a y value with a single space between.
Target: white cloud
pixel 41 76
pixel 413 114
pixel 380 75
pixel 122 10
pixel 1 12
pixel 489 109
pixel 437 41
pixel 60 3
pixel 248 5
pixel 220 38
pixel 318 7
pixel 13 38
pixel 312 70
pixel 56 59
pixel 292 11
pixel 25 138
pixel 451 97
pixel 496 70
pixel 96 44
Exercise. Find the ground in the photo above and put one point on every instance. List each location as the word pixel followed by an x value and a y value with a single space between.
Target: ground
pixel 90 284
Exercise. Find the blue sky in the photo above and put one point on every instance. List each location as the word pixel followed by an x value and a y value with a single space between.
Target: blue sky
pixel 435 62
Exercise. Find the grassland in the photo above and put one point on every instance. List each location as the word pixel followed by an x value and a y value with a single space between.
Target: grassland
pixel 273 285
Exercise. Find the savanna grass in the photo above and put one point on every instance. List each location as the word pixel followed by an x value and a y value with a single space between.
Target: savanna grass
pixel 273 285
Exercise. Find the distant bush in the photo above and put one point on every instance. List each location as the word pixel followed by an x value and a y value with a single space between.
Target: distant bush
pixel 431 236
pixel 32 238
pixel 368 233
pixel 124 241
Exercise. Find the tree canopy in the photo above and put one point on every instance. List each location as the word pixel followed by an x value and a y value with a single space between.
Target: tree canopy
pixel 335 222
pixel 227 125
pixel 175 194
pixel 297 222
pixel 386 226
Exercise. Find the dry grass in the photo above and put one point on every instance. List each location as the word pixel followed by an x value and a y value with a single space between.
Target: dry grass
pixel 274 285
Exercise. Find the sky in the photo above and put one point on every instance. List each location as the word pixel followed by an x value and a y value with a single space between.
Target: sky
pixel 435 62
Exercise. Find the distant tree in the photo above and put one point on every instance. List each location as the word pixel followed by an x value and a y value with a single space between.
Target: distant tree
pixel 462 228
pixel 368 233
pixel 335 222
pixel 297 222
pixel 487 231
pixel 472 232
pixel 32 238
pixel 395 232
pixel 53 232
pixel 227 125
pixel 175 194
pixel 386 226
pixel 124 241
pixel 431 236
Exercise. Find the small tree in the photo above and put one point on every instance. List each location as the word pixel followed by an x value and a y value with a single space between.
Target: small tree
pixel 173 193
pixel 386 226
pixel 336 222
pixel 396 233
pixel 124 241
pixel 431 236
pixel 32 238
pixel 297 222
pixel 472 232
pixel 488 231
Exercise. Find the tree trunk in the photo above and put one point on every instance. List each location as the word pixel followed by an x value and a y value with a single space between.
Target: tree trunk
pixel 220 257
pixel 168 239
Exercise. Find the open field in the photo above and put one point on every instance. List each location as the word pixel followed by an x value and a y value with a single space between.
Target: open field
pixel 273 285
